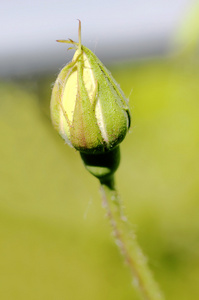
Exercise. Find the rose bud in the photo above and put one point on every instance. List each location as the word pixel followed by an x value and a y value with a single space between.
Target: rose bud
pixel 88 107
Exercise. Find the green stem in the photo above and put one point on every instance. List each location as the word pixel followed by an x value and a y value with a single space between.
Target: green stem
pixel 126 241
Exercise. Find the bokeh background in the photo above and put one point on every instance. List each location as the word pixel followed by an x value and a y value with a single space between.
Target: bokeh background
pixel 55 241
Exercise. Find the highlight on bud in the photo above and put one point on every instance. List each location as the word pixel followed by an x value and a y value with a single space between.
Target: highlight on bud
pixel 88 108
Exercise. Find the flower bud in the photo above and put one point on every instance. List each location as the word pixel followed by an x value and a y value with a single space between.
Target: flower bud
pixel 88 108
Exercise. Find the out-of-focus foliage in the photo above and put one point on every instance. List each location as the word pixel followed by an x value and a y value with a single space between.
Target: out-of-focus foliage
pixel 54 239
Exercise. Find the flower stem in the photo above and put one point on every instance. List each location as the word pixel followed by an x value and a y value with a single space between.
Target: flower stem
pixel 126 241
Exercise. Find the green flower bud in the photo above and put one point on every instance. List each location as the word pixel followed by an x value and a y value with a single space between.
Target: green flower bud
pixel 88 108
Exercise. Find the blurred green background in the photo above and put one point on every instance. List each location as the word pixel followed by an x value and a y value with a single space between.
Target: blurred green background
pixel 55 241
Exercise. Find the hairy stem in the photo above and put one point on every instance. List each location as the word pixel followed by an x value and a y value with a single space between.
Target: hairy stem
pixel 126 241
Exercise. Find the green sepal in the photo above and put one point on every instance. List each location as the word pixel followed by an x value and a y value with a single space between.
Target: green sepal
pixel 85 135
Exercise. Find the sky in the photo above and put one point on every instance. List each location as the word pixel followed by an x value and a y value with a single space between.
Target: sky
pixel 112 28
